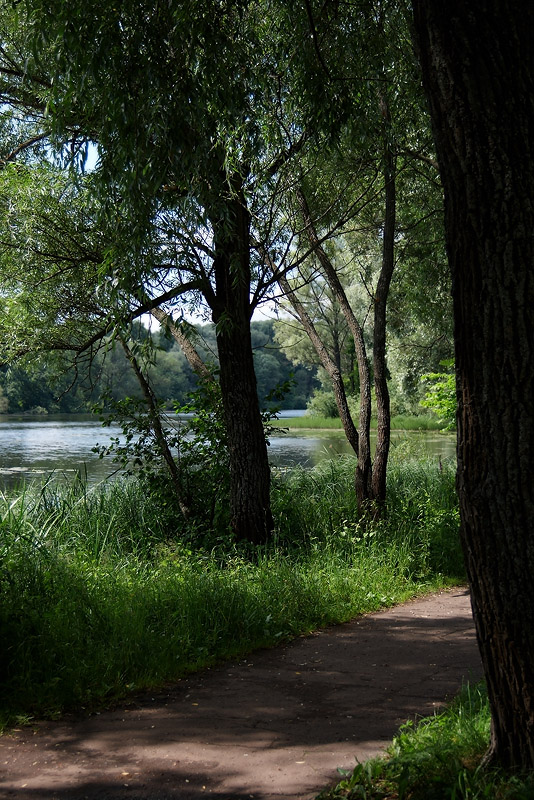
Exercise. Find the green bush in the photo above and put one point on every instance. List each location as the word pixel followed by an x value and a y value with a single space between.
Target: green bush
pixel 441 395
pixel 322 404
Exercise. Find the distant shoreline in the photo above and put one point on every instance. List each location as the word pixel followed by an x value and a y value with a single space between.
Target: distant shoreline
pixel 301 421
pixel 398 423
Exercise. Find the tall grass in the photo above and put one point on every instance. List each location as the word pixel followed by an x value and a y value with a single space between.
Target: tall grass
pixel 422 508
pixel 439 758
pixel 403 422
pixel 411 422
pixel 309 422
pixel 99 598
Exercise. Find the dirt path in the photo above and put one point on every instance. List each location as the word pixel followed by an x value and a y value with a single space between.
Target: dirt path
pixel 275 725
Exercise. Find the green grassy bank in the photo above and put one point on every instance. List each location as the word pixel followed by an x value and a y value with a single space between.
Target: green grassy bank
pixel 399 422
pixel 438 758
pixel 98 598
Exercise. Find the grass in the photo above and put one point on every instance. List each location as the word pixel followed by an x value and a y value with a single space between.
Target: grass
pixel 438 758
pixel 424 422
pixel 98 598
pixel 311 423
pixel 399 422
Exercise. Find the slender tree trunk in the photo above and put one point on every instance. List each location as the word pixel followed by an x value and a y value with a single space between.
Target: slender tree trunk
pixel 380 314
pixel 478 71
pixel 157 427
pixel 332 369
pixel 364 471
pixel 249 466
pixel 179 334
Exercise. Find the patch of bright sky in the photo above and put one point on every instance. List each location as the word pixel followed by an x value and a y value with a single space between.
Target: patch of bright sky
pixel 92 158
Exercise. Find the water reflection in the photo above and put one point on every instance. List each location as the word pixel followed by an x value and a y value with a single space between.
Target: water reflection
pixel 305 449
pixel 35 447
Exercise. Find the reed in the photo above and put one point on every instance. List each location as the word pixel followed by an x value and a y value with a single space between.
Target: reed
pixel 424 422
pixel 100 597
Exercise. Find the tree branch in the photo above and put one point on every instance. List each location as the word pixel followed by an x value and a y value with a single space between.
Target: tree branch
pixel 23 146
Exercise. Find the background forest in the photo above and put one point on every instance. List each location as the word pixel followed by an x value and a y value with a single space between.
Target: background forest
pixel 282 356
pixel 40 388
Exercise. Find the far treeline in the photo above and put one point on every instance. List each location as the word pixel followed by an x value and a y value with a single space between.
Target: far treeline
pixel 283 380
pixel 340 161
pixel 54 387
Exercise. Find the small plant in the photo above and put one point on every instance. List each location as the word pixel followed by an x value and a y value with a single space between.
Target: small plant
pixel 138 452
pixel 182 462
pixel 203 456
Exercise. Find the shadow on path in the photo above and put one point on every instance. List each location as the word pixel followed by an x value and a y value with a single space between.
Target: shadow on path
pixel 274 725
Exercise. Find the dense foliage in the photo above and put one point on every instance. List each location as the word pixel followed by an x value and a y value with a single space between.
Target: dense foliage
pixel 440 395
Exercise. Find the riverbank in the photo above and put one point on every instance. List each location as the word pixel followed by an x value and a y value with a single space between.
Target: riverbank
pixel 398 423
pixel 102 595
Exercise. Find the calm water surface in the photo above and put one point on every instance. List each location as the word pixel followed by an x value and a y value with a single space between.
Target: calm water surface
pixel 35 447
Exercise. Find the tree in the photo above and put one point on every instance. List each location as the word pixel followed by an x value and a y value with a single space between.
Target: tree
pixel 312 330
pixel 175 149
pixel 194 110
pixel 477 61
pixel 377 167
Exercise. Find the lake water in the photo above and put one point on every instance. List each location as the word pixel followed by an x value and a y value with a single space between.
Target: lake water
pixel 35 447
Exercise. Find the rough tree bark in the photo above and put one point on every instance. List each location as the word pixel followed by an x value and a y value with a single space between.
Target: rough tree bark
pixel 478 71
pixel 250 511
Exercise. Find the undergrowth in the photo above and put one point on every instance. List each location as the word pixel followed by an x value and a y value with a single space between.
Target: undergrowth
pixel 99 597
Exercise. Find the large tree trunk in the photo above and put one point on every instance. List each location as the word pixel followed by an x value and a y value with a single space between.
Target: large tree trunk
pixel 249 466
pixel 478 71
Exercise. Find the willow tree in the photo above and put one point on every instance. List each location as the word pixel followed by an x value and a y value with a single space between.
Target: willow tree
pixel 356 208
pixel 183 101
pixel 198 109
pixel 172 94
pixel 478 69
